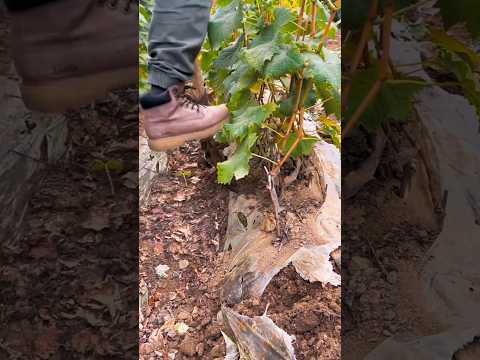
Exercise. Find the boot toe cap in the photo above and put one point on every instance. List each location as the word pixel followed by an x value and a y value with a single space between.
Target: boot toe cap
pixel 222 112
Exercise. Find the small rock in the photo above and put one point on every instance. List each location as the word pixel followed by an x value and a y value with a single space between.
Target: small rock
pixel 183 264
pixel 161 270
pixel 188 346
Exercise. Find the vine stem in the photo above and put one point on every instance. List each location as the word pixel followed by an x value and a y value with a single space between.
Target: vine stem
pixel 301 135
pixel 357 56
pixel 327 30
pixel 295 108
pixel 300 19
pixel 372 94
pixel 314 18
pixel 275 202
pixel 383 75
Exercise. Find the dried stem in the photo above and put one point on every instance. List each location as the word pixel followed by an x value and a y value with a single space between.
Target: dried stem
pixel 275 202
pixel 295 108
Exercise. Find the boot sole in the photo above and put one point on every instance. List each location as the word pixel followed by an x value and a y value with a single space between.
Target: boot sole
pixel 173 142
pixel 69 94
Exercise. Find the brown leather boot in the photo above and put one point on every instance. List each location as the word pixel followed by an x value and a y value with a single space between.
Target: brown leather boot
pixel 70 52
pixel 180 120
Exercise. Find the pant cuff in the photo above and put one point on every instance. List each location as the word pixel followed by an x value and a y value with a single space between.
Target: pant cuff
pixel 162 80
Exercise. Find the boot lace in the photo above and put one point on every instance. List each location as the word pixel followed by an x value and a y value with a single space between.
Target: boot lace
pixel 189 103
pixel 113 4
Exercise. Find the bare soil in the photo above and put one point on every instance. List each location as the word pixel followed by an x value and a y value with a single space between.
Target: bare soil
pixel 73 273
pixel 185 223
pixel 383 249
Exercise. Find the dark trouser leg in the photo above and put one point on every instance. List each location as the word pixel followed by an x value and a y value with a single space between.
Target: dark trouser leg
pixel 176 35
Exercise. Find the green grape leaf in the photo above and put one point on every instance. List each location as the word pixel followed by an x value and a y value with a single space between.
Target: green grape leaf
pixel 240 79
pixel 285 107
pixel 394 102
pixel 324 71
pixel 216 80
pixel 304 147
pixel 241 99
pixel 326 74
pixel 238 164
pixel 442 39
pixel 332 129
pixel 459 11
pixel 230 55
pixel 248 119
pixel 267 43
pixel 287 61
pixel 226 20
pixel 331 99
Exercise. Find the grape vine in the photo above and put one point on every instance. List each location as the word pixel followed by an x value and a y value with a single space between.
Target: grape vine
pixel 269 61
pixel 373 89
